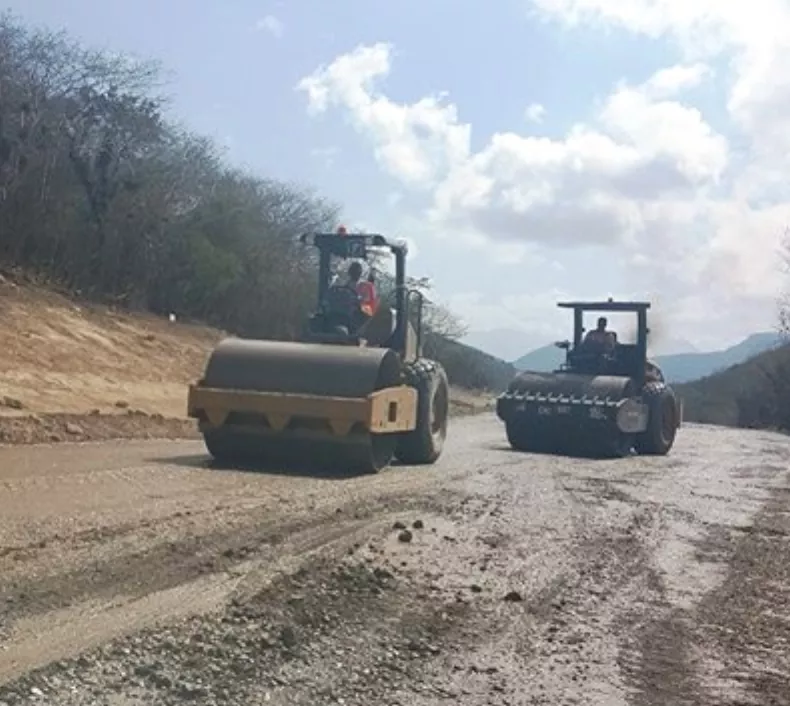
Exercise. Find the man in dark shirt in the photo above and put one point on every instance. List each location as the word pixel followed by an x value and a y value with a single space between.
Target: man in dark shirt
pixel 600 338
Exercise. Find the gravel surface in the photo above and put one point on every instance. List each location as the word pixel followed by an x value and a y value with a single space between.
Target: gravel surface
pixel 136 573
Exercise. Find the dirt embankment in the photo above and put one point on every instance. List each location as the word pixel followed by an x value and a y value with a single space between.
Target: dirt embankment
pixel 71 371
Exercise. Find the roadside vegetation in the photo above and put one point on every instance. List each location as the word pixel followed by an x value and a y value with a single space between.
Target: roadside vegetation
pixel 104 197
pixel 754 394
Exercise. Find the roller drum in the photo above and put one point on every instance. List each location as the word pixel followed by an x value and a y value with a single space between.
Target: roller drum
pixel 559 412
pixel 572 385
pixel 300 369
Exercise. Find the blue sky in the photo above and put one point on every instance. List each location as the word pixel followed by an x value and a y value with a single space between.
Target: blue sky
pixel 642 186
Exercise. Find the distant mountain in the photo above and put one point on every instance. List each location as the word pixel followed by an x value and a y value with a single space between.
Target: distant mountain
pixel 684 367
pixel 503 343
pixel 753 394
pixel 541 360
pixel 678 367
pixel 469 367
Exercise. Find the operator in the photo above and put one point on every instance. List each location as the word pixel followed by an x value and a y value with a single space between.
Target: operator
pixel 601 337
pixel 653 372
pixel 365 289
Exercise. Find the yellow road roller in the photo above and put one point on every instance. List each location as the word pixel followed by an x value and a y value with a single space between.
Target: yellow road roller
pixel 354 392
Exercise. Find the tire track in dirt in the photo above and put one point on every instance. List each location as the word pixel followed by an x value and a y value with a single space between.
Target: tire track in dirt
pixel 96 618
pixel 190 575
pixel 525 579
pixel 670 654
pixel 98 582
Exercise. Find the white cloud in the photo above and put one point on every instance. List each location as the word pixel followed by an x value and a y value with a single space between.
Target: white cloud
pixel 524 188
pixel 417 142
pixel 272 25
pixel 535 112
pixel 754 36
pixel 674 79
pixel 682 209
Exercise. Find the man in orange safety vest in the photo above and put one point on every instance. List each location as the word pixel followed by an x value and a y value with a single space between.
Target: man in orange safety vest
pixel 364 288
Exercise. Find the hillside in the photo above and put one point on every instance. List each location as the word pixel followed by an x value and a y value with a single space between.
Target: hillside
pixel 754 393
pixel 542 360
pixel 79 370
pixel 470 367
pixel 678 368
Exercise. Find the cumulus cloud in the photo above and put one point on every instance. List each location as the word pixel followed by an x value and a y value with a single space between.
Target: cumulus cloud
pixel 674 79
pixel 753 36
pixel 584 188
pixel 419 142
pixel 682 206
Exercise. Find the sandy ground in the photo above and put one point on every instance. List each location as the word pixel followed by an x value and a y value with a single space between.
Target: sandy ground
pixel 77 372
pixel 137 573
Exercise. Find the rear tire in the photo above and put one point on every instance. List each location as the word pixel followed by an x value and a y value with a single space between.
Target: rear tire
pixel 424 444
pixel 662 426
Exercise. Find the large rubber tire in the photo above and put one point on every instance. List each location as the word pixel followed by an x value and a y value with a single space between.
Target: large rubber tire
pixel 424 444
pixel 662 425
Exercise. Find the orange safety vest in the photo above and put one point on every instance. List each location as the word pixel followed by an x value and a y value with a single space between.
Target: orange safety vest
pixel 367 293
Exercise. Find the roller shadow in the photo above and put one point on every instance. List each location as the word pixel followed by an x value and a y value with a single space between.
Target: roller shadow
pixel 577 454
pixel 273 468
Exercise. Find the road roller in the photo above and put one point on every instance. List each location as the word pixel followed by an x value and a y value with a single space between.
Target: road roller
pixel 607 399
pixel 354 392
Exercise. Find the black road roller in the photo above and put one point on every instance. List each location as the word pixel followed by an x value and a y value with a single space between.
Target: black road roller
pixel 355 392
pixel 606 400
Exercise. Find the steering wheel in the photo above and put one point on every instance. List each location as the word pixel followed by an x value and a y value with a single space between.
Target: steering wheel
pixel 591 355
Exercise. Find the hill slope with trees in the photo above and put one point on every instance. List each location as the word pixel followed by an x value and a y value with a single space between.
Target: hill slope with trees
pixel 105 197
pixel 753 394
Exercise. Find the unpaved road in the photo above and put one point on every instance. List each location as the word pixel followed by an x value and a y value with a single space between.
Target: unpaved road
pixel 134 573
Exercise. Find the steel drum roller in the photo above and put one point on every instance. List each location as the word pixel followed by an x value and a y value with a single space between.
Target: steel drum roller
pixel 301 368
pixel 241 366
pixel 572 385
pixel 563 411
